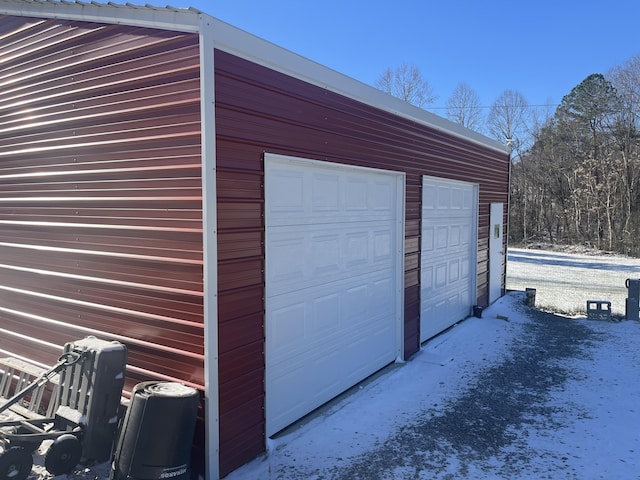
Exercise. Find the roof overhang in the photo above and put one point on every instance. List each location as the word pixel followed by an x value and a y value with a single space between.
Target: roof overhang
pixel 244 45
pixel 165 18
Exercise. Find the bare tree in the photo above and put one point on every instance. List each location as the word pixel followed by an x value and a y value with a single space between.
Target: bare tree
pixel 508 120
pixel 626 80
pixel 463 107
pixel 541 116
pixel 407 83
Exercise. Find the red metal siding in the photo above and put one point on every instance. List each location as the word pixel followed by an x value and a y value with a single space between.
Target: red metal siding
pixel 258 110
pixel 100 194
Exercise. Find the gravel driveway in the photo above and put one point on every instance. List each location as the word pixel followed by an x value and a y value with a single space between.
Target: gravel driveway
pixel 485 430
pixel 540 396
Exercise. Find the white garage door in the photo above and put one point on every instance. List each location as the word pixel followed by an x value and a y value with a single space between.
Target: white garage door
pixel 334 272
pixel 448 265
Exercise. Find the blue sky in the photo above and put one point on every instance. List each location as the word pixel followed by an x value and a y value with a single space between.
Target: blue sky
pixel 541 49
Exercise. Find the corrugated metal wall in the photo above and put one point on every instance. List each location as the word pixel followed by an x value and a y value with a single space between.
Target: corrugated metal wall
pixel 258 110
pixel 100 193
pixel 100 199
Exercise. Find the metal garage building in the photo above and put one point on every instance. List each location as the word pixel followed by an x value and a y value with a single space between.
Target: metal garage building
pixel 247 221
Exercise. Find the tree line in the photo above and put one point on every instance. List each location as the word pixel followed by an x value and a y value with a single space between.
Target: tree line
pixel 575 171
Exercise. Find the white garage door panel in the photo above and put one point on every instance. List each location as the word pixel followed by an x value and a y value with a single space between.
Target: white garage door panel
pixel 322 318
pixel 448 254
pixel 338 351
pixel 333 281
pixel 302 196
pixel 317 254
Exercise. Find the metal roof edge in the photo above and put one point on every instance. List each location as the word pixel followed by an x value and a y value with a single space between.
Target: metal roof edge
pixel 165 18
pixel 250 47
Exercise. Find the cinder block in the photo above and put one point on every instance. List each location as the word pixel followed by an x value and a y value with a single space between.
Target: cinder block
pixel 599 309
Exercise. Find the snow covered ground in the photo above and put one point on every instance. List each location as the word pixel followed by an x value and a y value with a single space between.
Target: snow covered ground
pixel 584 424
pixel 514 394
pixel 564 282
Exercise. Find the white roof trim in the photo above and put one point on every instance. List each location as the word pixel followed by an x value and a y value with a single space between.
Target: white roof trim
pixel 165 18
pixel 244 45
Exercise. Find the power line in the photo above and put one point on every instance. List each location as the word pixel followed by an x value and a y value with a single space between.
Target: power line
pixel 491 106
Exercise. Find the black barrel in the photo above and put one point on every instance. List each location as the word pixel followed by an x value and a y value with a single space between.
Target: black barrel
pixel 156 437
pixel 632 304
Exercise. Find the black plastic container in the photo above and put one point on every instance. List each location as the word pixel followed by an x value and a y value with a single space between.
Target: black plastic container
pixel 632 303
pixel 157 433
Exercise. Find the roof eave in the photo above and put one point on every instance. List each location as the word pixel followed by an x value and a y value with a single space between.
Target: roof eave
pixel 164 18
pixel 246 45
pixel 243 44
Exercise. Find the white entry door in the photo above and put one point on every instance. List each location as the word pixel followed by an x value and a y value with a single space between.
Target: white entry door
pixel 334 281
pixel 496 253
pixel 449 250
